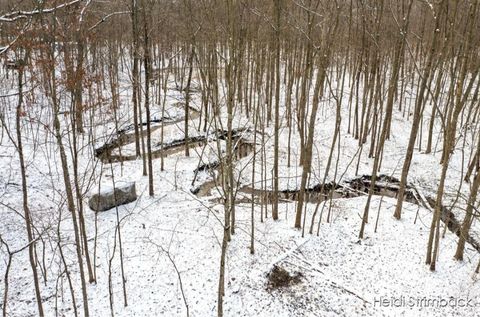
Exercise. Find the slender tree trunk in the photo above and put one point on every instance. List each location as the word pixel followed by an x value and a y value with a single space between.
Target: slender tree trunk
pixel 68 186
pixel 449 142
pixel 135 74
pixel 187 99
pixel 387 120
pixel 148 68
pixel 26 209
pixel 278 9
pixel 418 114
pixel 318 91
pixel 467 221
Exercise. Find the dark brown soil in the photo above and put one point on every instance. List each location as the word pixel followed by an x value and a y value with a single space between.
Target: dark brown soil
pixel 278 277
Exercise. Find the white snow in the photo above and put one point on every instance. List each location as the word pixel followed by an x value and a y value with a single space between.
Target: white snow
pixel 342 275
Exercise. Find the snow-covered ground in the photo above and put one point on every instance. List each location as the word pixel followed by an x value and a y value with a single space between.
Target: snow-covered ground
pixel 171 242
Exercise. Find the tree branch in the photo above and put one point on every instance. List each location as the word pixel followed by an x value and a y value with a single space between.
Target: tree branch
pixel 18 15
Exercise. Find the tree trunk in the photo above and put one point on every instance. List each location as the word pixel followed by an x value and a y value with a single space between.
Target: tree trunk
pixel 26 209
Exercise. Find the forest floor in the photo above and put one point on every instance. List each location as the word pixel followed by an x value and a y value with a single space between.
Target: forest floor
pixel 171 242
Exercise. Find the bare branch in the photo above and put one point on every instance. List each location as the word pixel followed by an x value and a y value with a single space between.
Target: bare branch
pixel 105 18
pixel 18 15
